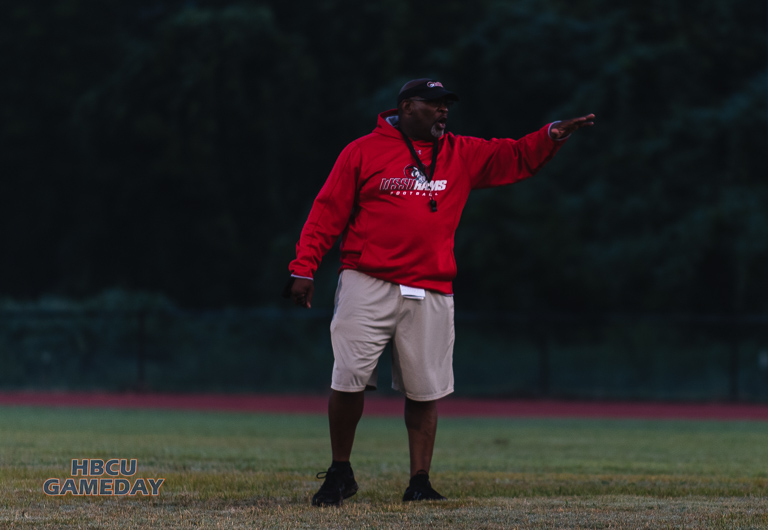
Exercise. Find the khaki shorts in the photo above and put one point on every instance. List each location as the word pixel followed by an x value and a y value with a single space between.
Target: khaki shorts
pixel 370 313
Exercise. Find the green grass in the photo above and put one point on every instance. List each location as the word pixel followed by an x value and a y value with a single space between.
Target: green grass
pixel 233 470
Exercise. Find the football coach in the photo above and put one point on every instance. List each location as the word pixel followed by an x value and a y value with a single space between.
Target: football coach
pixel 395 197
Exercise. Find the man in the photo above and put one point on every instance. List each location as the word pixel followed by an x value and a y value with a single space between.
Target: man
pixel 395 197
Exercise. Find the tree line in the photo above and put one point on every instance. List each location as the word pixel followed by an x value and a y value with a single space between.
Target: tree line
pixel 175 147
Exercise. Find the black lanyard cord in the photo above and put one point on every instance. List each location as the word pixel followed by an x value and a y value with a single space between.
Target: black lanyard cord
pixel 420 164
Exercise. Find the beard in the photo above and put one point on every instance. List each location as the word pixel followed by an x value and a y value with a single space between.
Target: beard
pixel 436 131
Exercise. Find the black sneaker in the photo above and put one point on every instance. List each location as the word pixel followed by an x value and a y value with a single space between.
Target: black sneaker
pixel 420 489
pixel 339 485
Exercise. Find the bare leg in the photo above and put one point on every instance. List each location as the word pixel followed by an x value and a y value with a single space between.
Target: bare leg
pixel 421 423
pixel 344 412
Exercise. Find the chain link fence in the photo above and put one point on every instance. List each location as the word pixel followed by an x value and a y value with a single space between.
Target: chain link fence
pixel 621 357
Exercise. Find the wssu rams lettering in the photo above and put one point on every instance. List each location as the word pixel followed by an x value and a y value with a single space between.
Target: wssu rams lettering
pixel 413 181
pixel 412 185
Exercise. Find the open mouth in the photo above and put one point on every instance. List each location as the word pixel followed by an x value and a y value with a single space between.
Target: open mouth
pixel 438 128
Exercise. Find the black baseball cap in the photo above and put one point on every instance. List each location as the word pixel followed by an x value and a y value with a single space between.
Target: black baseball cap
pixel 425 89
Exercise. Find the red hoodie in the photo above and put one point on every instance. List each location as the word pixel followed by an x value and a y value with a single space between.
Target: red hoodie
pixel 379 203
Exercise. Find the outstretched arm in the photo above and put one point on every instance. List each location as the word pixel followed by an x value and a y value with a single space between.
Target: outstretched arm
pixel 561 129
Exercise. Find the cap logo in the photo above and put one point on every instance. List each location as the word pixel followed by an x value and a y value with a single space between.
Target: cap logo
pixel 433 84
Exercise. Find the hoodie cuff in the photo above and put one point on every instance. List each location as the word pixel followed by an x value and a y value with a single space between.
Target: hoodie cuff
pixel 549 130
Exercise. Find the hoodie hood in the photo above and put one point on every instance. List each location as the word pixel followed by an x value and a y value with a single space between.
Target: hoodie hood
pixel 387 124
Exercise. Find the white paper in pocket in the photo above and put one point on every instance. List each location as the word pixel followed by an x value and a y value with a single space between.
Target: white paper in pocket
pixel 412 292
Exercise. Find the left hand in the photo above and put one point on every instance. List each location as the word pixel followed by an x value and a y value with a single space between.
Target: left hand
pixel 561 129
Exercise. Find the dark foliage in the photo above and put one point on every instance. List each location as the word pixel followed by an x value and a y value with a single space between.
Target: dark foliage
pixel 176 146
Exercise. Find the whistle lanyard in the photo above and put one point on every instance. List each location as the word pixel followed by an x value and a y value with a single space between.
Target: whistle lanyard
pixel 420 164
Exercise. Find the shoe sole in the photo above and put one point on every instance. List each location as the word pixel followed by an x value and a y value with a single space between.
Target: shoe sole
pixel 346 496
pixel 425 499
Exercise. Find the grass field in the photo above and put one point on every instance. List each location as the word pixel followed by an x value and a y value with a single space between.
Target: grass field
pixel 238 470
